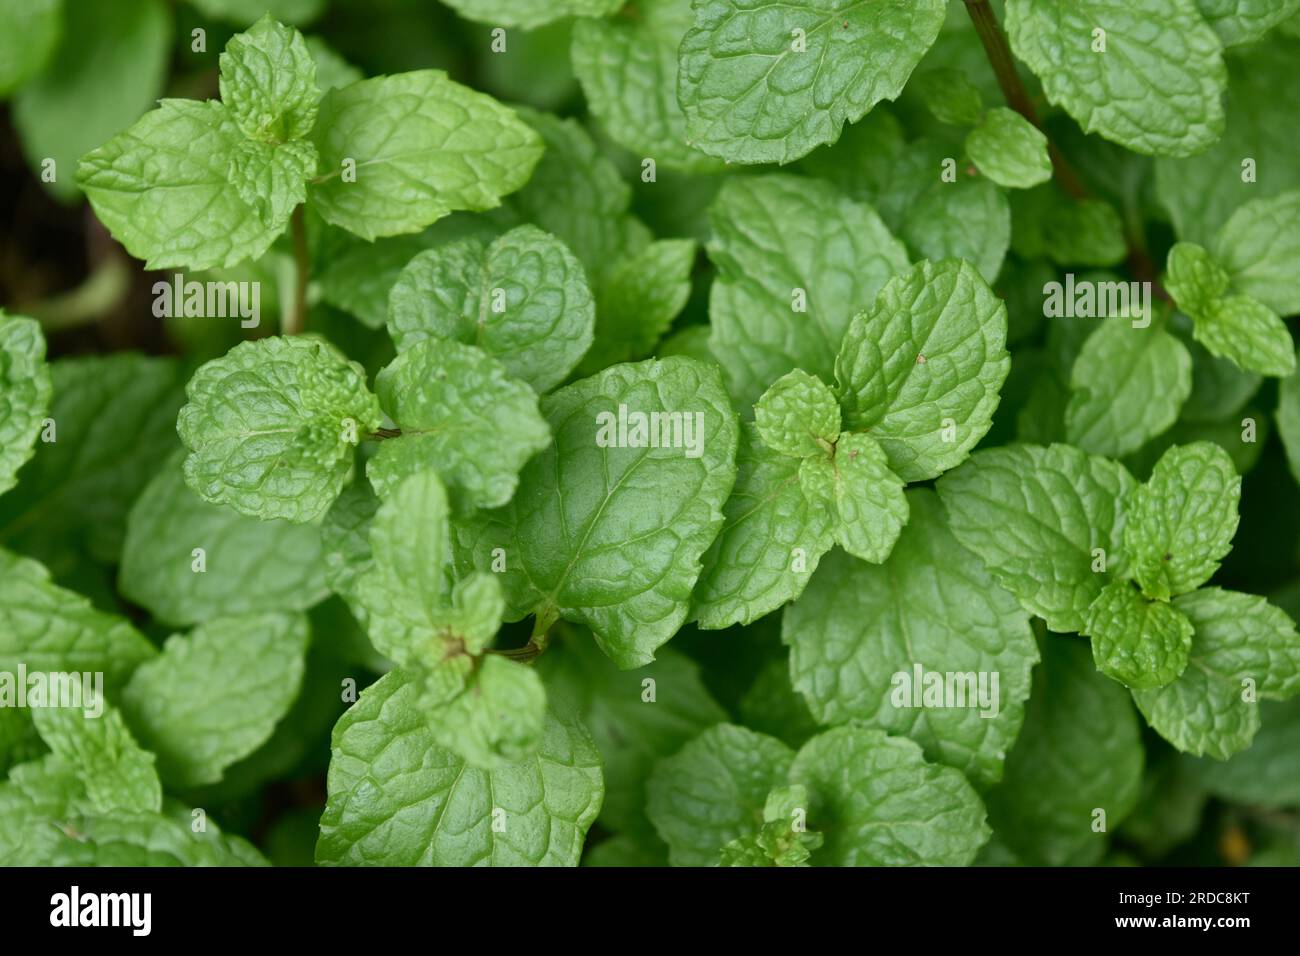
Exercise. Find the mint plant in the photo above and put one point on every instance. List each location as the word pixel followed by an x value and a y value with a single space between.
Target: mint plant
pixel 516 467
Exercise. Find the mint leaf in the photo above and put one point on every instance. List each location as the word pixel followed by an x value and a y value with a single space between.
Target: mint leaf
pixel 1260 249
pixel 524 300
pixel 1288 420
pixel 1243 21
pixel 149 839
pixel 798 415
pixel 108 69
pixel 867 499
pixel 766 84
pixel 25 397
pixel 969 219
pixel 345 543
pixel 163 189
pixel 246 11
pixel 1264 775
pixel 246 565
pixel 30 31
pixel 422 147
pixel 396 798
pixel 459 410
pixel 1243 649
pixel 713 791
pixel 771 540
pixel 1180 524
pixel 623 556
pixel 1127 386
pixel 1195 278
pixel 950 95
pixel 1156 89
pixel 1140 642
pixel 214 695
pixel 1009 150
pixel 271 427
pixel 1248 333
pixel 531 13
pixel 864 645
pixel 636 717
pixel 117 774
pixel 795 261
pixel 922 368
pixel 1046 808
pixel 880 804
pixel 268 82
pixel 1041 518
pixel 783 839
pixel 491 710
pixel 46 628
pixel 1082 232
pixel 627 65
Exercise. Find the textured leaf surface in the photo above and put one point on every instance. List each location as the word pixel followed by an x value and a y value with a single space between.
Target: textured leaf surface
pixel 1035 515
pixel 880 804
pixel 1242 21
pixel 1267 774
pixel 214 695
pixel 396 798
pixel 523 299
pixel 755 91
pixel 773 235
pixel 1260 248
pixel 1009 150
pixel 460 413
pixel 117 774
pixel 250 565
pixel 713 791
pixel 24 393
pixel 1079 751
pixel 1139 642
pixel 423 147
pixel 864 495
pixel 1238 638
pixel 921 370
pixel 771 540
pixel 271 427
pixel 1248 333
pixel 798 415
pixel 858 633
pixel 1157 87
pixel 268 82
pixel 1182 521
pixel 1127 386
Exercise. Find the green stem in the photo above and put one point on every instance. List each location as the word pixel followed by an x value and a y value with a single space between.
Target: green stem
pixel 537 644
pixel 99 293
pixel 296 319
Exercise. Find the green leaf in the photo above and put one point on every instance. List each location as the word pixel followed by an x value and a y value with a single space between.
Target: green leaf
pixel 1080 751
pixel 1248 333
pixel 117 774
pixel 1157 87
pixel 46 628
pixel 771 540
pixel 1260 249
pixel 149 839
pixel 396 798
pixel 272 179
pixel 247 565
pixel 1080 232
pixel 25 396
pixel 490 711
pixel 859 634
pixel 1288 420
pixel 922 368
pixel 1267 774
pixel 332 70
pixel 29 32
pixel 1194 278
pixel 271 427
pixel 1220 389
pixel 1009 150
pixel 531 13
pixel 1181 522
pixel 969 219
pixel 627 65
pixel 795 261
pixel 246 11
pixel 163 189
pixel 1127 386
pixel 422 147
pixel 783 839
pixel 345 543
pixel 950 95
pixel 867 499
pixel 636 717
pixel 798 415
pixel 767 83
pixel 880 804
pixel 606 530
pixel 462 413
pixel 214 695
pixel 1244 21
pixel 713 791
pixel 1140 642
pixel 107 71
pixel 1243 648
pixel 1041 518
pixel 268 82
pixel 524 300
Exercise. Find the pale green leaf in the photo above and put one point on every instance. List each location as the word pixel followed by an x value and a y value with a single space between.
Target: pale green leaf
pixel 798 415
pixel 1248 333
pixel 29 32
pixel 490 711
pixel 1244 21
pixel 867 499
pixel 950 95
pixel 24 393
pixel 117 774
pixel 1260 249
pixel 1140 642
pixel 1009 150
pixel 268 82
